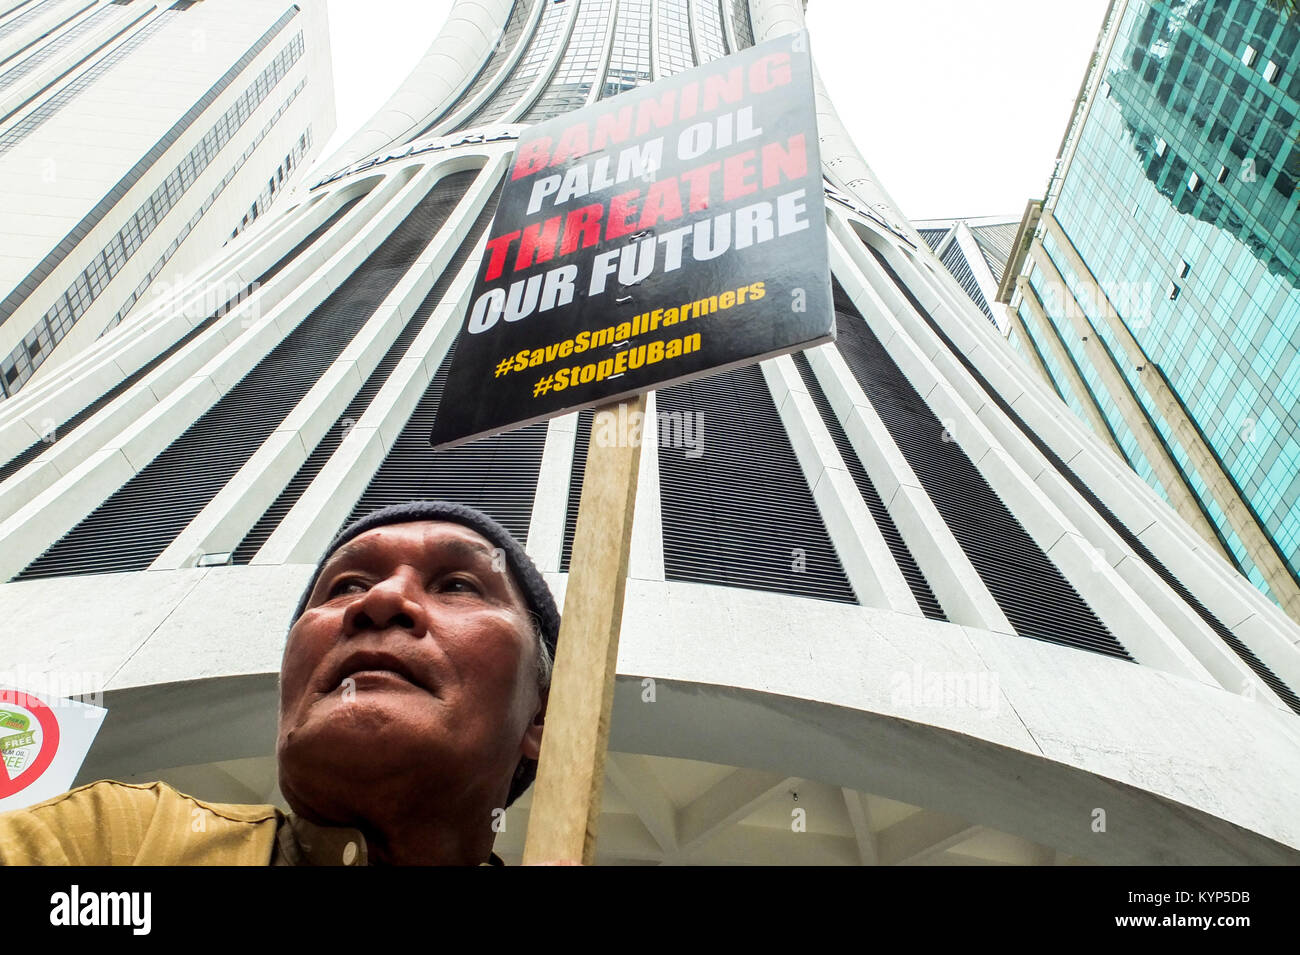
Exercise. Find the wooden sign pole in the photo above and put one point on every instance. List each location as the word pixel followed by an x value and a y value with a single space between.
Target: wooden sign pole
pixel 571 766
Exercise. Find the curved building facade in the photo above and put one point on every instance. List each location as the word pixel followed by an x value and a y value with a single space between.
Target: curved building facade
pixel 891 603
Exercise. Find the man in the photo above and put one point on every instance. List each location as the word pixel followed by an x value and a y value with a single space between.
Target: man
pixel 413 691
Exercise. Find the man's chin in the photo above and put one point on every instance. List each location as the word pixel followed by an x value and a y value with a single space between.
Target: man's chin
pixel 333 768
pixel 373 730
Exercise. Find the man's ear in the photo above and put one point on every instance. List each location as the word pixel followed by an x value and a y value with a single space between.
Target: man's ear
pixel 532 742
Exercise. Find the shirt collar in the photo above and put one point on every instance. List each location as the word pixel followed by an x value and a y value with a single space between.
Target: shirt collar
pixel 302 842
pixel 305 843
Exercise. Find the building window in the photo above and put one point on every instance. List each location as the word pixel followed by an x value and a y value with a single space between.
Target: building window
pixel 1223 174
pixel 1270 72
pixel 1184 268
pixel 1193 183
pixel 1173 291
pixel 1161 146
pixel 1250 55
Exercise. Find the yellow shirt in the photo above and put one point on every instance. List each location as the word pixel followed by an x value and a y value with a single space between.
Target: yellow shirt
pixel 112 823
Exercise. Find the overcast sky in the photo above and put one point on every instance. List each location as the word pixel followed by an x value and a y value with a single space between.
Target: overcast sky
pixel 959 106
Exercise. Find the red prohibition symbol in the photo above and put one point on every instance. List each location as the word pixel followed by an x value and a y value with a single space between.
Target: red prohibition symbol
pixel 9 785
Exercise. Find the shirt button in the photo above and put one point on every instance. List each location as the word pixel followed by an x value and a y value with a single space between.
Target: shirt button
pixel 350 853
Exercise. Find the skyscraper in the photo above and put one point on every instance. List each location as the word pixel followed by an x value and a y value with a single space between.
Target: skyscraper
pixel 1157 287
pixel 975 251
pixel 887 601
pixel 136 138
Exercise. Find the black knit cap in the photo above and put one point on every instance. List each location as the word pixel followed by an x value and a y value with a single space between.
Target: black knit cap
pixel 529 578
pixel 526 574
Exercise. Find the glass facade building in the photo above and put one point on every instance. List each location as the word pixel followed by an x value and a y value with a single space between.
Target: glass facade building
pixel 1161 290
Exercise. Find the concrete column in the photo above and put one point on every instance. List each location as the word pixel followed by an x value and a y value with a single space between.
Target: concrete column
pixel 862 550
pixel 907 339
pixel 1045 333
pixel 1130 498
pixel 550 505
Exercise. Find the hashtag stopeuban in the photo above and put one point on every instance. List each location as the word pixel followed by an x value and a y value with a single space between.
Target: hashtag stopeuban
pixel 543 385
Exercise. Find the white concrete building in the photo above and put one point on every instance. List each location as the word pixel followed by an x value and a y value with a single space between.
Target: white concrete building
pixel 904 607
pixel 135 139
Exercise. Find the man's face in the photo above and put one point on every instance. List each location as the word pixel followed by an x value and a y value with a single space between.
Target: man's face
pixel 414 664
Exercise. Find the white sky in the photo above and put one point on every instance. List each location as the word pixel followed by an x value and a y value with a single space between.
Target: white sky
pixel 958 105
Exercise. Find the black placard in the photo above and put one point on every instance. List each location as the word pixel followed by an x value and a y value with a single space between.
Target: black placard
pixel 672 231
